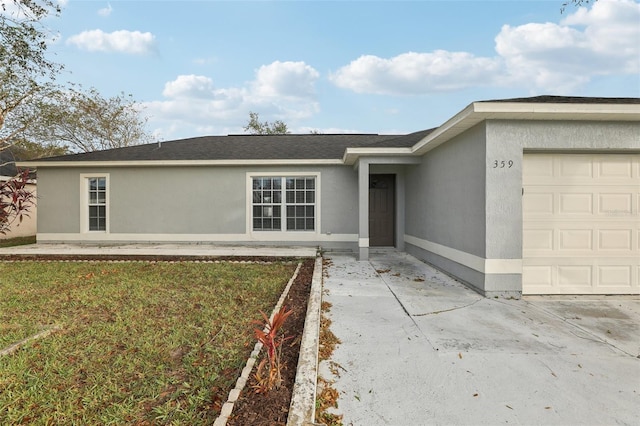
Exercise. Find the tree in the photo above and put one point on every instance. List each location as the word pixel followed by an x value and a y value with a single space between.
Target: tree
pixel 576 3
pixel 26 74
pixel 84 121
pixel 255 127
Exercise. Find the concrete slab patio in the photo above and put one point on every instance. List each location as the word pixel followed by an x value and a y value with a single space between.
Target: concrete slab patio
pixel 193 250
pixel 420 348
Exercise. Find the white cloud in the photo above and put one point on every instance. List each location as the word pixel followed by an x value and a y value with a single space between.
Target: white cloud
pixel 286 79
pixel 189 86
pixel 280 91
pixel 416 73
pixel 560 57
pixel 123 41
pixel 105 11
pixel 547 57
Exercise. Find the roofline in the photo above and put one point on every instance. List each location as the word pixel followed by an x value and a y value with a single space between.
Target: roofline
pixel 351 155
pixel 473 114
pixel 477 112
pixel 178 163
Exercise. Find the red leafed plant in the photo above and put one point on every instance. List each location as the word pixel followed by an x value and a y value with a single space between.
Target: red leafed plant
pixel 15 200
pixel 272 339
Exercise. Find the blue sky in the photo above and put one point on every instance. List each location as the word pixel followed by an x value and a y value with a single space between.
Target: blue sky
pixel 199 67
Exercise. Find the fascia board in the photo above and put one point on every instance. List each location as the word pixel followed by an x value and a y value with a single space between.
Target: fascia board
pixel 178 163
pixel 351 155
pixel 624 112
pixel 479 111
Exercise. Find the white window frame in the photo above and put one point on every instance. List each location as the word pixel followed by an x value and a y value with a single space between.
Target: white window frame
pixel 84 202
pixel 283 233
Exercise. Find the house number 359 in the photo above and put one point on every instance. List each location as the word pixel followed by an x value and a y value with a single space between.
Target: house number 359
pixel 501 164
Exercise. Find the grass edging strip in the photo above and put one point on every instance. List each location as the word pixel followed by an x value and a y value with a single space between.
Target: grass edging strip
pixel 14 347
pixel 227 407
pixel 303 400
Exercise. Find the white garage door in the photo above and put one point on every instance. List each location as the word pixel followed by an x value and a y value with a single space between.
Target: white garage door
pixel 581 224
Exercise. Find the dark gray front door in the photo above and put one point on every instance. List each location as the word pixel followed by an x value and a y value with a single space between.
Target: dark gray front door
pixel 382 199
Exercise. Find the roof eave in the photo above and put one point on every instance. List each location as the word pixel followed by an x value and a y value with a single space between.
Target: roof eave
pixel 479 111
pixel 177 163
pixel 351 155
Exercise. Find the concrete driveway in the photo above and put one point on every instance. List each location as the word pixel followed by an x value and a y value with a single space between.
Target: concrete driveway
pixel 420 348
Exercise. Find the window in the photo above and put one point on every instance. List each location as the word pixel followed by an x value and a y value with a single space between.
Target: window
pixel 284 203
pixel 96 203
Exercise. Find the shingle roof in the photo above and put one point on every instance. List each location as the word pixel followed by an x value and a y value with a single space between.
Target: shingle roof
pixel 7 165
pixel 548 99
pixel 247 147
pixel 286 147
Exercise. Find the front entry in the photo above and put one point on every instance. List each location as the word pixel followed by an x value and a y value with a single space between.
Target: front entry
pixel 382 197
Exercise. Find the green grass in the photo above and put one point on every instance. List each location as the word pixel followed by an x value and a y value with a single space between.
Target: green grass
pixel 140 343
pixel 18 241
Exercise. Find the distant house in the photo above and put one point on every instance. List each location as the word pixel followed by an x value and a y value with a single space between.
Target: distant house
pixel 28 225
pixel 533 195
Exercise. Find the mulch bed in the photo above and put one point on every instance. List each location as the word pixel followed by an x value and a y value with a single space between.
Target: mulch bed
pixel 251 408
pixel 272 408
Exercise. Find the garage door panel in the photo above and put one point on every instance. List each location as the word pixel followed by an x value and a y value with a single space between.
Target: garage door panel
pixel 539 239
pixel 618 167
pixel 575 239
pixel 615 203
pixel 538 167
pixel 572 167
pixel 615 239
pixel 615 276
pixel 571 203
pixel 538 203
pixel 575 276
pixel 581 224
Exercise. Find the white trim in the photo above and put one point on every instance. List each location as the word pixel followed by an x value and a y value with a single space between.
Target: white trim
pixel 352 154
pixel 179 163
pixel 209 238
pixel 363 242
pixel 486 266
pixel 477 112
pixel 282 235
pixel 84 203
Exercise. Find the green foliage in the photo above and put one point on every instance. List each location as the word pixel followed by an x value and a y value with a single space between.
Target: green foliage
pixel 25 150
pixel 36 110
pixel 23 40
pixel 85 121
pixel 139 342
pixel 25 72
pixel 18 241
pixel 256 127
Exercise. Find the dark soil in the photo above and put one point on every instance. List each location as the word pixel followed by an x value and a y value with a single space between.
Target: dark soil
pixel 272 408
pixel 251 408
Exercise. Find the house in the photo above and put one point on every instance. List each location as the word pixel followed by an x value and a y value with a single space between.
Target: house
pixel 533 195
pixel 27 227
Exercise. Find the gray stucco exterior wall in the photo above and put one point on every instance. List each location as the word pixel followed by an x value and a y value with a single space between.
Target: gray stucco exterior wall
pixel 148 201
pixel 467 193
pixel 445 204
pixel 58 198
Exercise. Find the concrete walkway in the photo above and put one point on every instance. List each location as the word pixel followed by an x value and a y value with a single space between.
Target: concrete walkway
pixel 158 250
pixel 419 348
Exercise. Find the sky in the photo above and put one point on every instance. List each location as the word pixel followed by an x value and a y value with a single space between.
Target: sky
pixel 388 67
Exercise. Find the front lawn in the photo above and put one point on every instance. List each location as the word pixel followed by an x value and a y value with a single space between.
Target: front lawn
pixel 138 342
pixel 18 241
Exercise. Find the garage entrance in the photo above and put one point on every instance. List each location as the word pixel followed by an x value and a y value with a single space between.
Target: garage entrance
pixel 581 224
